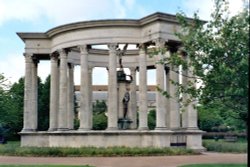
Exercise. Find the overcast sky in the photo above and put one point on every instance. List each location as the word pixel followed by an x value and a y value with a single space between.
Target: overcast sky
pixel 42 15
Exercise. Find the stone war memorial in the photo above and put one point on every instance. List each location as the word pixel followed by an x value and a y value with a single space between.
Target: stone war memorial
pixel 124 44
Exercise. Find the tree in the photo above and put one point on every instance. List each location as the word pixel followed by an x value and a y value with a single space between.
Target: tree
pixel 152 119
pixel 99 117
pixel 10 110
pixel 209 119
pixel 17 98
pixel 218 51
pixel 43 103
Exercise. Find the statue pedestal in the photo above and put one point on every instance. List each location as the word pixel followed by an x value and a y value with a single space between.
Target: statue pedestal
pixel 124 123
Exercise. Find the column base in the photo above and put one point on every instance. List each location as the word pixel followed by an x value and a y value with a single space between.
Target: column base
pixel 143 128
pixel 112 128
pixel 162 129
pixel 192 129
pixel 84 129
pixel 28 130
pixel 52 129
pixel 62 129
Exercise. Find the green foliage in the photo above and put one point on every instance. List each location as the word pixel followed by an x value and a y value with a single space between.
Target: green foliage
pixel 152 119
pixel 99 121
pixel 99 107
pixel 99 117
pixel 11 108
pixel 208 119
pixel 43 103
pixel 222 146
pixel 218 51
pixel 13 148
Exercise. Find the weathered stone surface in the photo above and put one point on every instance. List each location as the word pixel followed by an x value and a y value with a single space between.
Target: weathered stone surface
pixel 75 44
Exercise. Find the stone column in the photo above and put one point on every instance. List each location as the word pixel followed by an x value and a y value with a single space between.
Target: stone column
pixel 90 69
pixel 143 99
pixel 62 115
pixel 112 89
pixel 34 103
pixel 174 106
pixel 84 90
pixel 70 103
pixel 189 115
pixel 160 99
pixel 133 101
pixel 121 93
pixel 27 113
pixel 54 95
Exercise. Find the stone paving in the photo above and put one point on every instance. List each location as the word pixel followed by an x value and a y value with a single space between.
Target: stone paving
pixel 150 161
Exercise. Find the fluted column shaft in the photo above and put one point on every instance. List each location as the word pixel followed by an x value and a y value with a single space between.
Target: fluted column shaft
pixel 54 93
pixel 112 89
pixel 143 99
pixel 34 103
pixel 62 121
pixel 27 93
pixel 133 101
pixel 84 91
pixel 160 99
pixel 174 106
pixel 189 115
pixel 90 69
pixel 70 102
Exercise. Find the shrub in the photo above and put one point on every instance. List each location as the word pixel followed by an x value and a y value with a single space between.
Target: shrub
pixel 222 146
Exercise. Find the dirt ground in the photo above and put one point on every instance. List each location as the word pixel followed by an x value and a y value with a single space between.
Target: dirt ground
pixel 150 161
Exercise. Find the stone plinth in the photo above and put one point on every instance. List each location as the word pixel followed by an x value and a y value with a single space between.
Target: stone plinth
pixel 127 138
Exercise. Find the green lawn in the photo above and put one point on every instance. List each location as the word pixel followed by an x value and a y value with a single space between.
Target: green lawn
pixel 215 165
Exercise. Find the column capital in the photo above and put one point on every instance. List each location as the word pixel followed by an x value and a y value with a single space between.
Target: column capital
pixel 181 51
pixel 133 69
pixel 142 48
pixel 35 60
pixel 159 42
pixel 90 69
pixel 112 46
pixel 70 65
pixel 83 49
pixel 28 57
pixel 62 53
pixel 54 56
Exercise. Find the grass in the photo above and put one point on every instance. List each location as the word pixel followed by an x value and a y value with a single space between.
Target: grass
pixel 14 149
pixel 223 146
pixel 215 165
pixel 44 166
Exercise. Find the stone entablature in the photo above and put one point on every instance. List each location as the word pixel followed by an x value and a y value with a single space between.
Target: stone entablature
pixel 99 43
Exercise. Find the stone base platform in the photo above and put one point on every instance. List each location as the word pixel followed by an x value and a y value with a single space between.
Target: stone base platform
pixel 129 138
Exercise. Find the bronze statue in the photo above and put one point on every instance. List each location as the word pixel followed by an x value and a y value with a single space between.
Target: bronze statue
pixel 125 101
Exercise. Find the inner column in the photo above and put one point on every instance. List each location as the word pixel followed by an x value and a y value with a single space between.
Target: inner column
pixel 90 70
pixel 160 99
pixel 53 121
pixel 133 101
pixel 112 89
pixel 85 121
pixel 143 99
pixel 70 104
pixel 62 115
pixel 174 106
pixel 189 116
